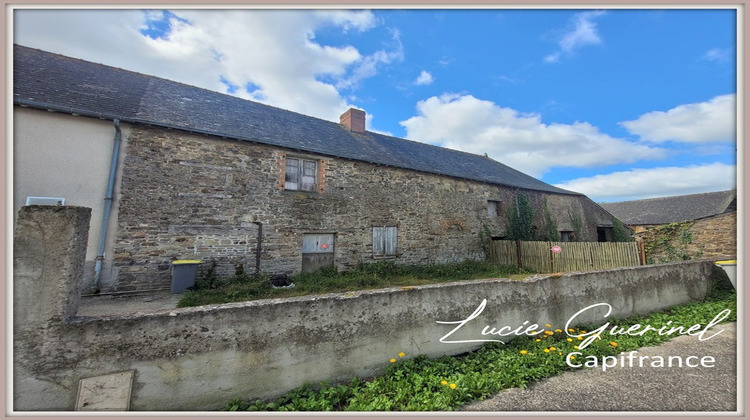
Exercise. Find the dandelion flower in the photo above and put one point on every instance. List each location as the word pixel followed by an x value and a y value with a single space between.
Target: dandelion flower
pixel 572 357
pixel 453 386
pixel 393 360
pixel 547 325
pixel 443 382
pixel 553 348
pixel 571 330
pixel 523 352
pixel 538 340
pixel 402 354
pixel 558 330
pixel 546 350
pixel 570 340
pixel 580 338
pixel 575 347
pixel 548 332
pixel 613 344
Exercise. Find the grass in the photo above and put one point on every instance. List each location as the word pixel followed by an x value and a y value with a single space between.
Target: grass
pixel 446 383
pixel 243 287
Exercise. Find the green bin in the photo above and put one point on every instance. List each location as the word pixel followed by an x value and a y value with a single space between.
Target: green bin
pixel 184 273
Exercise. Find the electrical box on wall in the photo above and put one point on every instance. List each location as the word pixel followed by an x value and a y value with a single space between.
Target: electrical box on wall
pixel 45 201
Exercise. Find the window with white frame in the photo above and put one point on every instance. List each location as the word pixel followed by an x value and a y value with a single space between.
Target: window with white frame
pixel 301 174
pixel 384 240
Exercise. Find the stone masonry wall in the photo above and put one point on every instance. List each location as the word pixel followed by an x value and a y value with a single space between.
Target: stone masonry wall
pixel 197 359
pixel 715 236
pixel 191 196
pixel 712 237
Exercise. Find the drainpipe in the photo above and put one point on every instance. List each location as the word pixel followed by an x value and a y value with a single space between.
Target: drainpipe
pixel 258 248
pixel 107 205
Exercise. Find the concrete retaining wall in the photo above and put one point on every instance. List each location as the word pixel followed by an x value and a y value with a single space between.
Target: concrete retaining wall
pixel 200 358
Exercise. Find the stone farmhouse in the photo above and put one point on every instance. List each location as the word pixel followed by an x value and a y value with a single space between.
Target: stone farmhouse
pixel 173 171
pixel 709 221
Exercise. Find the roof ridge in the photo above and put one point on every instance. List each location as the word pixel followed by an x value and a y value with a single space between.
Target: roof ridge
pixel 667 197
pixel 161 101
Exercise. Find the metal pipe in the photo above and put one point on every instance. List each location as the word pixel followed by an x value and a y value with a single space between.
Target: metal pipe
pixel 258 248
pixel 107 205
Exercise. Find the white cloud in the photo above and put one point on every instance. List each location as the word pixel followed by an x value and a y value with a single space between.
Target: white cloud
pixel 582 31
pixel 521 141
pixel 638 184
pixel 712 121
pixel 718 54
pixel 272 51
pixel 424 78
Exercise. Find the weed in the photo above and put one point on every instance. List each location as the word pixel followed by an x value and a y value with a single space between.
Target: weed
pixel 446 383
pixel 382 274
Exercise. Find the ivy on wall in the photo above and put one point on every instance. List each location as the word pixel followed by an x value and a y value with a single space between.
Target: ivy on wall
pixel 577 222
pixel 620 233
pixel 519 225
pixel 669 243
pixel 549 221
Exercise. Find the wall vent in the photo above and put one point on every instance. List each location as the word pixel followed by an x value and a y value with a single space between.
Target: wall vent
pixel 45 201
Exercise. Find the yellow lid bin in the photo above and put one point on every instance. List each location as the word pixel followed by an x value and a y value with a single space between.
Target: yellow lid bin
pixel 184 273
pixel 730 267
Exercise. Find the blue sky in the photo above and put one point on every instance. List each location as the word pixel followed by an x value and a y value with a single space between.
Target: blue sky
pixel 618 104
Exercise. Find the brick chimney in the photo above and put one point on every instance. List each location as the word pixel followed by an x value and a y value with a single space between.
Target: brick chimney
pixel 354 120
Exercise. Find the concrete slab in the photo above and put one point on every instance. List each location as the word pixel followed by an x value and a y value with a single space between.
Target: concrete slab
pixel 107 305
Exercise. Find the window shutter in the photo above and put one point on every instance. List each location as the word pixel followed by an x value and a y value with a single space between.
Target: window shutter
pixel 384 240
pixel 390 240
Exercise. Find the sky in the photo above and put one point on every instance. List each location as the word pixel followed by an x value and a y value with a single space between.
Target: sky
pixel 617 104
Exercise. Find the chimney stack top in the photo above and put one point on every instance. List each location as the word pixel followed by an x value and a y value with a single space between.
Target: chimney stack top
pixel 354 120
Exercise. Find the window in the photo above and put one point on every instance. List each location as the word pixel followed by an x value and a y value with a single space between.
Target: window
pixel 384 241
pixel 566 236
pixel 604 234
pixel 494 208
pixel 301 174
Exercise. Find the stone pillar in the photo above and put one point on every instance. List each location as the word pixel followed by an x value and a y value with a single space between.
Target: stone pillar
pixel 48 259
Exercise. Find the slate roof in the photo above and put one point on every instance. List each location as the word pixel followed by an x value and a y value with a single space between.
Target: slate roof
pixel 55 82
pixel 664 210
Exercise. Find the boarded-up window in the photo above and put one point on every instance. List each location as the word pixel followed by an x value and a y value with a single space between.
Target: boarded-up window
pixel 301 174
pixel 384 240
pixel 493 208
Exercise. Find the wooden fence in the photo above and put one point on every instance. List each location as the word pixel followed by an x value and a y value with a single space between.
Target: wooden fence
pixel 572 256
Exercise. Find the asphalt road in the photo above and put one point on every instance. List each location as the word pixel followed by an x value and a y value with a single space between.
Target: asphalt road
pixel 638 389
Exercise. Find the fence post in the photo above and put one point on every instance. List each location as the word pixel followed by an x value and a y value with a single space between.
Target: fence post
pixel 642 252
pixel 518 254
pixel 551 258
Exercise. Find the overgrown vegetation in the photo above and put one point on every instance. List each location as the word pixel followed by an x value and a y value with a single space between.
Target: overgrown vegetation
pixel 670 242
pixel 485 240
pixel 552 234
pixel 446 383
pixel 520 223
pixel 620 233
pixel 242 287
pixel 575 220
